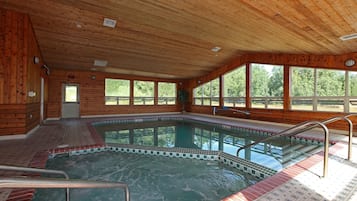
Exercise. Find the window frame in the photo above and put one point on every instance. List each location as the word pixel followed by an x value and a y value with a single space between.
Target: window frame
pixel 117 99
pixel 168 100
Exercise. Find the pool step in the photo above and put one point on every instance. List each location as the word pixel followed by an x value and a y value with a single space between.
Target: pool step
pixel 299 154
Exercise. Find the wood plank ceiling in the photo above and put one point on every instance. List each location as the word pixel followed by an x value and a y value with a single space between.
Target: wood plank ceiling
pixel 174 38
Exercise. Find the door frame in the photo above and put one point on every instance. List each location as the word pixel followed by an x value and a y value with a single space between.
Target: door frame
pixel 63 102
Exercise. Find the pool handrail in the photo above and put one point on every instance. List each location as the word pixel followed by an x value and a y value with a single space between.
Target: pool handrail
pixel 24 182
pixel 311 126
pixel 299 130
pixel 215 110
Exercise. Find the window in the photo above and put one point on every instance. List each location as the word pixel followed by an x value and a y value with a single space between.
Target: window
pixel 323 90
pixel 330 89
pixel 302 88
pixel 352 83
pixel 117 92
pixel 207 94
pixel 71 94
pixel 234 84
pixel 166 93
pixel 143 93
pixel 267 86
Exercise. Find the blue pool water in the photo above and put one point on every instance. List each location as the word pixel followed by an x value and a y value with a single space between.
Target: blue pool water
pixel 150 178
pixel 276 154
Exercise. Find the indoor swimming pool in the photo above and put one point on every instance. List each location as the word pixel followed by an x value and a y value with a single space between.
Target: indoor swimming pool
pixel 175 158
pixel 185 133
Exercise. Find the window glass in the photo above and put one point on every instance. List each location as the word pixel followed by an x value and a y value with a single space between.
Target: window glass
pixel 234 84
pixel 267 86
pixel 302 81
pixel 330 82
pixel 166 93
pixel 143 92
pixel 207 94
pixel 117 92
pixel 71 94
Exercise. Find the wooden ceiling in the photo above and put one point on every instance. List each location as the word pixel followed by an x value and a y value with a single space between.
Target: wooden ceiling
pixel 174 38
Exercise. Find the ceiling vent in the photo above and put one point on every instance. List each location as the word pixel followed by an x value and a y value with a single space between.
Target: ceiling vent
pixel 349 37
pixel 109 23
pixel 101 63
pixel 216 49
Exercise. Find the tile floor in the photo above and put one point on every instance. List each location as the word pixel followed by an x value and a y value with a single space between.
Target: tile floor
pixel 299 182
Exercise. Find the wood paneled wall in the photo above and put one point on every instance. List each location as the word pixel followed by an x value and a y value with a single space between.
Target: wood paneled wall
pixel 19 113
pixel 285 115
pixel 92 94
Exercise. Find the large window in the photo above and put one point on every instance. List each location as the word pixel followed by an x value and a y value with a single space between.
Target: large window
pixel 143 93
pixel 352 86
pixel 117 92
pixel 267 86
pixel 207 94
pixel 166 93
pixel 323 90
pixel 302 88
pixel 234 84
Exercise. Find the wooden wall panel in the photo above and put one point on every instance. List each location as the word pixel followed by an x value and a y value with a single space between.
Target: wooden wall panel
pixel 12 119
pixel 14 48
pixel 19 113
pixel 92 94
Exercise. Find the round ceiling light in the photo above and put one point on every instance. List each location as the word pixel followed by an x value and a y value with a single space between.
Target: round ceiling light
pixel 350 62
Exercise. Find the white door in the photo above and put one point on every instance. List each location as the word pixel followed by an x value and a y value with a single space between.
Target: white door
pixel 70 104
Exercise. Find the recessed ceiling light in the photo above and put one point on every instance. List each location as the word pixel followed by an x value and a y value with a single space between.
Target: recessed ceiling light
pixel 216 49
pixel 109 22
pixel 101 63
pixel 349 37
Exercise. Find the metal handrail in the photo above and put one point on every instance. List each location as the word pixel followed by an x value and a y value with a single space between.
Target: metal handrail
pixel 55 183
pixel 215 110
pixel 350 136
pixel 36 170
pixel 301 130
pixel 301 125
pixel 60 183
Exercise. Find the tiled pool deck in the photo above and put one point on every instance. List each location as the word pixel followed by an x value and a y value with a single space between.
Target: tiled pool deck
pixel 298 182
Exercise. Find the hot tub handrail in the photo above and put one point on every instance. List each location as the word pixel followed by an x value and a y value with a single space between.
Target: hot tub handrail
pixel 54 183
pixel 11 182
pixel 37 170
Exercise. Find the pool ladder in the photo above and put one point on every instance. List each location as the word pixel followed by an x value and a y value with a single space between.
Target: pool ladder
pixel 308 125
pixel 25 182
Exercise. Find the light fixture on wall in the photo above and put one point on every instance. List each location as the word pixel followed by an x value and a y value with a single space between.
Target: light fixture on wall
pixel 93 77
pixel 350 62
pixel 47 69
pixel 31 93
pixel 36 59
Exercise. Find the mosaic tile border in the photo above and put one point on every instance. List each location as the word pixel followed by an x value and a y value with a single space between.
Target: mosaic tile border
pixel 253 169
